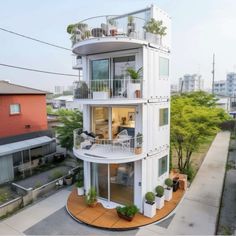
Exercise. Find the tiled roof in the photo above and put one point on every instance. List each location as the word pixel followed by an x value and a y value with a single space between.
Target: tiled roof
pixel 8 88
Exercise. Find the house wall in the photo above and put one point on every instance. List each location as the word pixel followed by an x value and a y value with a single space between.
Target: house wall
pixel 33 113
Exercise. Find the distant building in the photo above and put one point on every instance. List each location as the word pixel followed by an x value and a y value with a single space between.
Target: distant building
pixel 191 83
pixel 24 137
pixel 220 87
pixel 174 88
pixel 67 102
pixel 59 89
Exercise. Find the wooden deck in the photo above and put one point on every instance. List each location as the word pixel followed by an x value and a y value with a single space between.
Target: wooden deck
pixel 108 219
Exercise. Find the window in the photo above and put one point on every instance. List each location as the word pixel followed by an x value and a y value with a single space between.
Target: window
pixel 162 165
pixel 100 69
pixel 14 109
pixel 163 67
pixel 163 116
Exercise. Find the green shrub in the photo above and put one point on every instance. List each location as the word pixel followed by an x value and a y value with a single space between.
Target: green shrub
pixel 128 210
pixel 38 184
pixel 169 182
pixel 80 184
pixel 150 197
pixel 3 197
pixel 190 172
pixel 159 191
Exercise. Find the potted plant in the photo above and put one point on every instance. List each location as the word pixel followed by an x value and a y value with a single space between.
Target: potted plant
pixel 91 197
pixel 134 84
pixel 112 27
pixel 127 212
pixel 68 179
pixel 78 32
pixel 130 26
pixel 102 92
pixel 139 141
pixel 160 198
pixel 80 185
pixel 150 205
pixel 168 190
pixel 154 28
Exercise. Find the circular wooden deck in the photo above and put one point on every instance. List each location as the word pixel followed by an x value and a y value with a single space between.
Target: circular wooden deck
pixel 108 219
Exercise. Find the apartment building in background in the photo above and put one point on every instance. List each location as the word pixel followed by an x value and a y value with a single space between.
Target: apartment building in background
pixel 191 83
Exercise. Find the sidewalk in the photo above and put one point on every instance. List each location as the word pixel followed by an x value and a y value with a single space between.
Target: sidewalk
pixel 199 211
pixel 28 217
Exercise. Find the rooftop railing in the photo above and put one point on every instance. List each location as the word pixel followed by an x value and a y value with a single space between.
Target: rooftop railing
pixel 111 26
pixel 106 89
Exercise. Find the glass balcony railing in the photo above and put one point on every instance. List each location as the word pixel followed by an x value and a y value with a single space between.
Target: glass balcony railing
pixel 130 26
pixel 106 89
pixel 122 145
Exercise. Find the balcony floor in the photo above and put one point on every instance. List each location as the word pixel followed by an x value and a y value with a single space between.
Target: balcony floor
pixel 108 219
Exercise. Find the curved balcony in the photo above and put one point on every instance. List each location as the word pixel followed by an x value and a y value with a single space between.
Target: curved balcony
pixel 109 33
pixel 122 149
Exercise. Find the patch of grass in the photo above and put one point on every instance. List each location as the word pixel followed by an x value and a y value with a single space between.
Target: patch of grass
pixel 38 184
pixel 225 230
pixel 56 174
pixel 4 197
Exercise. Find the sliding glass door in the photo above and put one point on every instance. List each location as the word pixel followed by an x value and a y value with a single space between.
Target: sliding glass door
pixel 114 182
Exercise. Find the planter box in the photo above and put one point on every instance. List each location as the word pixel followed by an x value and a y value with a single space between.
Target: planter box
pixel 80 191
pixel 160 201
pixel 138 150
pixel 100 95
pixel 94 204
pixel 149 210
pixel 132 88
pixel 152 38
pixel 168 194
pixel 68 181
pixel 125 217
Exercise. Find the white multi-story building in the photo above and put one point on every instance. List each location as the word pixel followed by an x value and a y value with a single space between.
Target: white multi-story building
pixel 124 144
pixel 231 84
pixel 220 87
pixel 191 83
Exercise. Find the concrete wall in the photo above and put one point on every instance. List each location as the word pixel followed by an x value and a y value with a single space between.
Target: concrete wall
pixel 10 206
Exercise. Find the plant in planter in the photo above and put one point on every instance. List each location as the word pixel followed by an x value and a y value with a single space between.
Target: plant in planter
pixel 127 212
pixel 91 197
pixel 168 190
pixel 150 205
pixel 102 92
pixel 78 32
pixel 130 26
pixel 154 28
pixel 134 86
pixel 160 198
pixel 80 185
pixel 112 26
pixel 68 179
pixel 139 141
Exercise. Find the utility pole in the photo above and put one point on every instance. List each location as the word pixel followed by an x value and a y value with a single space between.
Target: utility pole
pixel 213 73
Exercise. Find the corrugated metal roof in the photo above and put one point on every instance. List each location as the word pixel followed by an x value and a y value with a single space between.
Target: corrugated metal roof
pixel 8 88
pixel 10 148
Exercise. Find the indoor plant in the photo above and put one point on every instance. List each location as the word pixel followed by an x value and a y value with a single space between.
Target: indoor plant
pixel 160 199
pixel 154 28
pixel 149 205
pixel 168 190
pixel 91 197
pixel 127 212
pixel 134 84
pixel 139 141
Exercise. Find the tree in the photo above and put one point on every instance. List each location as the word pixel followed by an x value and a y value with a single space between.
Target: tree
pixel 70 120
pixel 194 117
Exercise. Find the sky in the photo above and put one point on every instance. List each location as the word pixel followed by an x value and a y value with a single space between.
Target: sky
pixel 199 29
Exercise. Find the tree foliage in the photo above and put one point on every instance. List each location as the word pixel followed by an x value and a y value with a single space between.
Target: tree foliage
pixel 70 120
pixel 194 117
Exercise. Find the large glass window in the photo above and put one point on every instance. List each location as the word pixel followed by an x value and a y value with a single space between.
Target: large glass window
pixel 14 109
pixel 162 165
pixel 100 69
pixel 163 116
pixel 163 67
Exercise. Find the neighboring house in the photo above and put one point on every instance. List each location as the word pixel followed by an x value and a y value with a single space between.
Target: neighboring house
pixel 126 147
pixel 24 136
pixel 224 103
pixel 191 83
pixel 66 102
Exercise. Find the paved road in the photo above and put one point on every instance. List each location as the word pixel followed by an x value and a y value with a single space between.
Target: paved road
pixel 197 214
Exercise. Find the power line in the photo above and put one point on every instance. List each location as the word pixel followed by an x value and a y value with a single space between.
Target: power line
pixel 34 39
pixel 35 70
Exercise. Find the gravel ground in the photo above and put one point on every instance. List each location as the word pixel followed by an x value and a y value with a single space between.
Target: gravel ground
pixel 227 218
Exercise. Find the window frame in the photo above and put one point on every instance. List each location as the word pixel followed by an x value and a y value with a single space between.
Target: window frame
pixel 162 171
pixel 163 121
pixel 15 112
pixel 162 58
